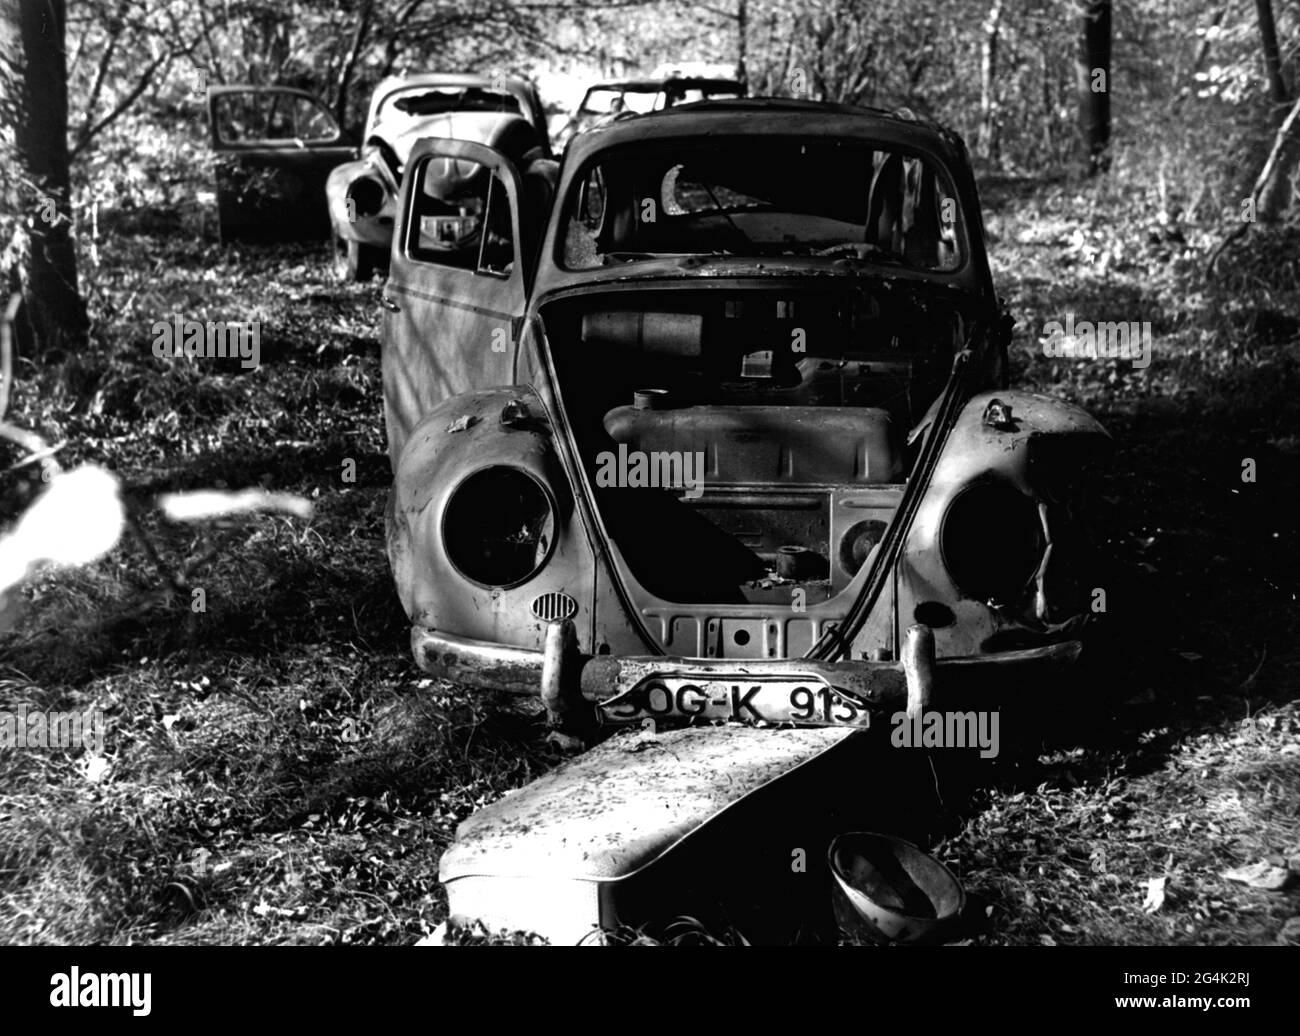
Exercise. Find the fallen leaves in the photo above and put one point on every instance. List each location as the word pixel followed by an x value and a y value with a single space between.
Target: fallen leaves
pixel 1290 932
pixel 1261 875
pixel 94 768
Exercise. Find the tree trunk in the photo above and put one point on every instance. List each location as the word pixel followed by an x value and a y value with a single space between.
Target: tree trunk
pixel 1273 188
pixel 1272 61
pixel 34 101
pixel 742 38
pixel 988 141
pixel 1092 75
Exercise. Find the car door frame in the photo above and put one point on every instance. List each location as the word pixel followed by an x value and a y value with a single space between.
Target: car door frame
pixel 309 160
pixel 442 324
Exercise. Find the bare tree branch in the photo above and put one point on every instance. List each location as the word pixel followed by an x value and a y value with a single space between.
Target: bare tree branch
pixel 350 62
pixel 105 60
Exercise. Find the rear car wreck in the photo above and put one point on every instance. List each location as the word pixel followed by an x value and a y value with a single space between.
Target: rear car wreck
pixel 502 112
pixel 721 434
pixel 285 170
pixel 624 98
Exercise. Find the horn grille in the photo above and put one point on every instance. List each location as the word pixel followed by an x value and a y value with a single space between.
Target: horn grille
pixel 550 607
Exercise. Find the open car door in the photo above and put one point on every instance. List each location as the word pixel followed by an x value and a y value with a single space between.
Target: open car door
pixel 457 285
pixel 274 148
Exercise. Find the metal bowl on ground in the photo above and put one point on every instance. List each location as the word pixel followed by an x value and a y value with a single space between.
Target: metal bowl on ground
pixel 887 890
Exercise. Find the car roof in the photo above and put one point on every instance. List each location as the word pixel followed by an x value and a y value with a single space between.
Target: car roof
pixel 451 79
pixel 516 86
pixel 258 88
pixel 659 82
pixel 774 115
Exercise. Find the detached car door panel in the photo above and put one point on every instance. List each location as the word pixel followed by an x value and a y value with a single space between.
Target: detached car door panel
pixel 274 148
pixel 457 286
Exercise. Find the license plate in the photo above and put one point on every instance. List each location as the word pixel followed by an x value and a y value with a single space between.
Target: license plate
pixel 804 701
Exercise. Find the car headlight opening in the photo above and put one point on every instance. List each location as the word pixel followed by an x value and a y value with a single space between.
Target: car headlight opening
pixel 992 541
pixel 499 526
pixel 367 195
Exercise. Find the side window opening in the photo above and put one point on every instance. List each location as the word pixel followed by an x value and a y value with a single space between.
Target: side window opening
pixel 251 116
pixel 312 122
pixel 239 117
pixel 279 116
pixel 460 217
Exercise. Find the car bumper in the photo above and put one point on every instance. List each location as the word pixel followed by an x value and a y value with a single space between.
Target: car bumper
pixel 609 689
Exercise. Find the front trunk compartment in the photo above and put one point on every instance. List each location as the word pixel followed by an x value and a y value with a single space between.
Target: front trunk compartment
pixel 746 447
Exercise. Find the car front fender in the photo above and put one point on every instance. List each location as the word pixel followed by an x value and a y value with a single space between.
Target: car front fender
pixel 376 228
pixel 460 436
pixel 1040 446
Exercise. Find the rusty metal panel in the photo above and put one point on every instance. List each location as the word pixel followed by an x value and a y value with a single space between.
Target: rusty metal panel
pixel 618 808
pixel 802 445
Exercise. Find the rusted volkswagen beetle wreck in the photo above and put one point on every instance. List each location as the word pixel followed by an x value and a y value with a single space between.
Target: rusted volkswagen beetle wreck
pixel 711 426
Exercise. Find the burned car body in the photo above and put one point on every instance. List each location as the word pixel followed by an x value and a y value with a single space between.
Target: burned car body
pixel 640 96
pixel 502 112
pixel 718 432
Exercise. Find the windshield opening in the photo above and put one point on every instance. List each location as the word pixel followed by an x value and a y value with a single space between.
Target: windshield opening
pixel 763 197
pixel 422 101
pixel 604 101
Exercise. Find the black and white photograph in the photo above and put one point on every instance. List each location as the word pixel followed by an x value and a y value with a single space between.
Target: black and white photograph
pixel 817 473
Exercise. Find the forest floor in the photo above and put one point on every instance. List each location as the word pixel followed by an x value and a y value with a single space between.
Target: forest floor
pixel 277 770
